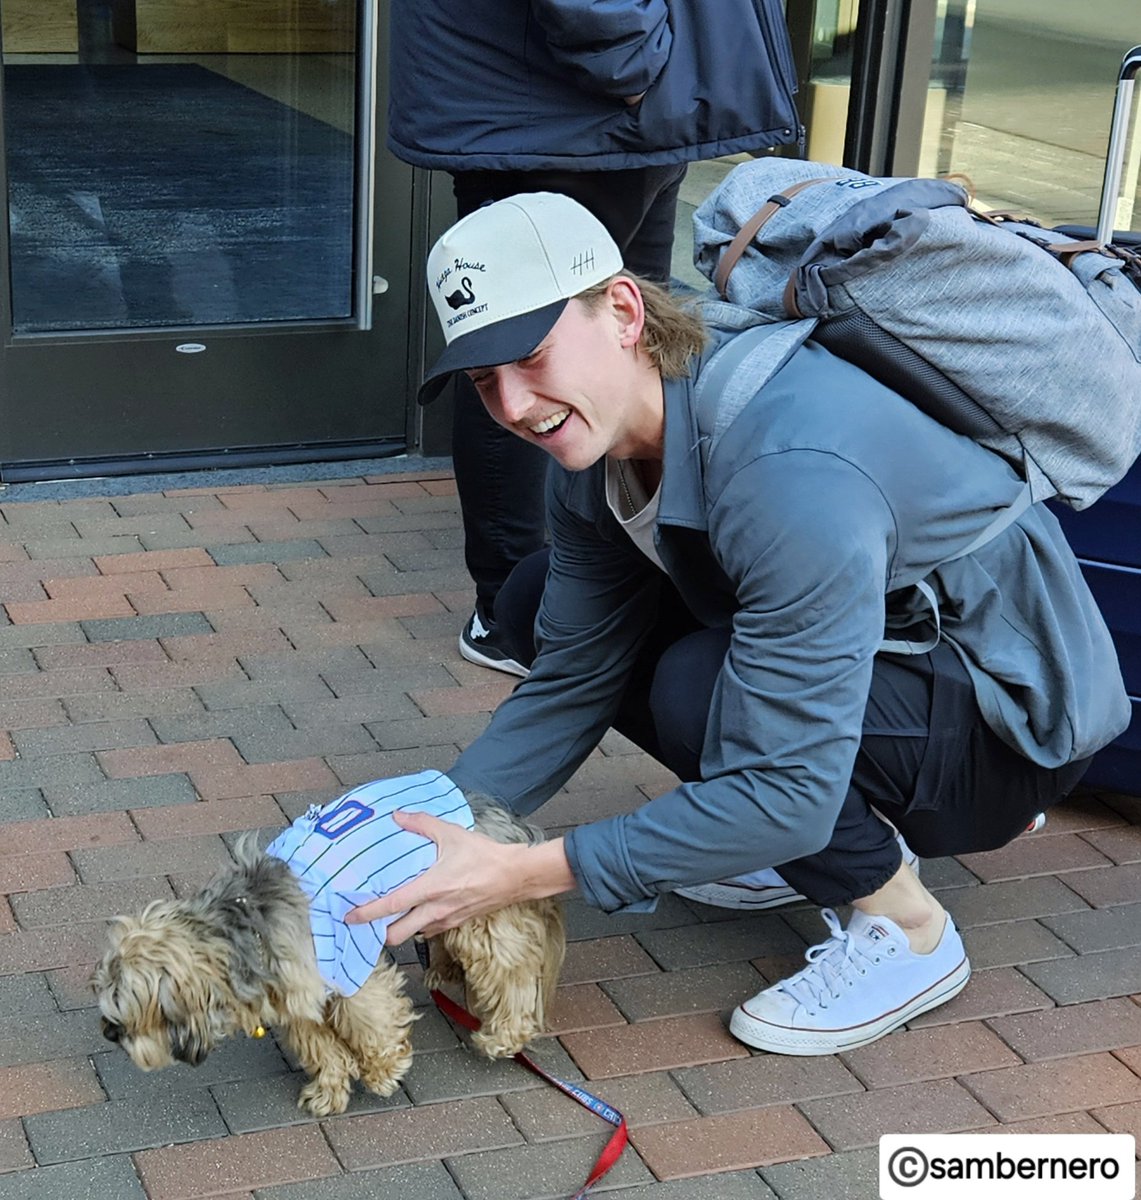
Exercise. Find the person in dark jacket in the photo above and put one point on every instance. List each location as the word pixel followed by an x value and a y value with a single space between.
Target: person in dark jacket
pixel 722 599
pixel 602 101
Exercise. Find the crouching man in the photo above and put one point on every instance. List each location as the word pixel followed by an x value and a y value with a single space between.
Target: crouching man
pixel 724 603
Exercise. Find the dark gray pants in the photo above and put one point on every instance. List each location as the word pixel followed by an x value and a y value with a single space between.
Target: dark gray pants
pixel 927 760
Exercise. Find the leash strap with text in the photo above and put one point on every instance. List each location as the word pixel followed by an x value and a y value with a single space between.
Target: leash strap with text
pixel 612 1151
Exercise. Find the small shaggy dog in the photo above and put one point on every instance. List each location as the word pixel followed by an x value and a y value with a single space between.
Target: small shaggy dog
pixel 240 956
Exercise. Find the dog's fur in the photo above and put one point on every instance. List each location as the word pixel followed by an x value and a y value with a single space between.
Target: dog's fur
pixel 185 974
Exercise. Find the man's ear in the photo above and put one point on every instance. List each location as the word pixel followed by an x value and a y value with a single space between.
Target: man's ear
pixel 628 308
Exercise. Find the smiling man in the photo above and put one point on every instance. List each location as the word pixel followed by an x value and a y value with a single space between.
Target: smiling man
pixel 724 603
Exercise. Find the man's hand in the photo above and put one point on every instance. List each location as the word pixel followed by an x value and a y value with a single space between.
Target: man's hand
pixel 473 875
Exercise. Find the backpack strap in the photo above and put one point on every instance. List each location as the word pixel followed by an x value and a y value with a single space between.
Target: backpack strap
pixel 753 226
pixel 738 370
pixel 1003 520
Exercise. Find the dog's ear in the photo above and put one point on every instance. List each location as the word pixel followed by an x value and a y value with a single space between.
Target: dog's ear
pixel 188 1040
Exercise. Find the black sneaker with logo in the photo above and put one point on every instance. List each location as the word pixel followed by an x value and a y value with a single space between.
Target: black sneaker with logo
pixel 479 644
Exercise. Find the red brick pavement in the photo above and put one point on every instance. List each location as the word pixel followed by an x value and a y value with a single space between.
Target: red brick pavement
pixel 157 703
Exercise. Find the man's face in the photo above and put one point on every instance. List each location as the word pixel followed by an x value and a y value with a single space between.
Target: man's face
pixel 580 394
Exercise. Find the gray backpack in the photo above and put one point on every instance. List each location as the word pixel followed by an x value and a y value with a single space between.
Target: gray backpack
pixel 1022 338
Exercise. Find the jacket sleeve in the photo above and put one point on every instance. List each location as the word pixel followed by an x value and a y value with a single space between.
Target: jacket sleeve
pixel 599 602
pixel 614 47
pixel 806 539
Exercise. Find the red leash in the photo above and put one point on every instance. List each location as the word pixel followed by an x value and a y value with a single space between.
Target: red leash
pixel 617 1143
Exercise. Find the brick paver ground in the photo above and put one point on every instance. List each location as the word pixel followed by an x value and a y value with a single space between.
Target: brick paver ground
pixel 181 667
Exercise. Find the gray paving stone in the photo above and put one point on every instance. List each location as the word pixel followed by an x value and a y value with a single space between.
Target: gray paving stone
pixel 448 535
pixel 15 1155
pixel 118 795
pixel 347 660
pixel 411 1181
pixel 94 902
pixel 455 1074
pixel 584 922
pixel 157 502
pixel 122 706
pixel 118 523
pixel 547 1171
pixel 315 742
pixel 756 936
pixel 764 1079
pixel 42 1037
pixel 422 557
pixel 48 773
pixel 440 519
pixel 252 694
pixel 376 705
pixel 23 995
pixel 190 856
pixel 692 990
pixel 433 1031
pixel 71 986
pixel 428 731
pixel 58 633
pixel 305 549
pixel 739 1185
pixel 17 661
pixel 121 1126
pixel 354 769
pixel 181 539
pixel 1098 928
pixel 1090 976
pixel 850 1176
pixel 205 725
pixel 441 579
pixel 62 546
pixel 940 874
pixel 251 1105
pixel 23 804
pixel 1012 944
pixel 71 739
pixel 1011 901
pixel 250 1060
pixel 117 629
pixel 111 1178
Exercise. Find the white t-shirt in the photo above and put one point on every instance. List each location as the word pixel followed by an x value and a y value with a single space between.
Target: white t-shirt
pixel 352 851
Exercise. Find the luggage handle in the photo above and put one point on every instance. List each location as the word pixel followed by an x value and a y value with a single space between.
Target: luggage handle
pixel 1115 160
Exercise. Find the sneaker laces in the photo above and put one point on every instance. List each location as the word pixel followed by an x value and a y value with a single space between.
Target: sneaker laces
pixel 831 965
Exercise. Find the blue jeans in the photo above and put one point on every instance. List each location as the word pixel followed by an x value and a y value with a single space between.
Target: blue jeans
pixel 499 476
pixel 927 760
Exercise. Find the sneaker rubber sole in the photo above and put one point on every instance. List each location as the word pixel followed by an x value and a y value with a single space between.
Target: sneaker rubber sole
pixel 763 1035
pixel 500 663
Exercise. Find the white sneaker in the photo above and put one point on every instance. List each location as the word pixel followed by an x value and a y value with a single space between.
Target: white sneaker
pixel 861 983
pixel 762 889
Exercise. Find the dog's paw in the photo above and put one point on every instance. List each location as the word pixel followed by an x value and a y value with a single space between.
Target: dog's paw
pixel 502 1043
pixel 324 1098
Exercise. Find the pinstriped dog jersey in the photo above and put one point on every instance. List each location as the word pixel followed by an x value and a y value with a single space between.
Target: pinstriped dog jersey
pixel 352 851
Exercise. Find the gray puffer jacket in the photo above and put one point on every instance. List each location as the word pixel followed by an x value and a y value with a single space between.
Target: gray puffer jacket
pixel 539 84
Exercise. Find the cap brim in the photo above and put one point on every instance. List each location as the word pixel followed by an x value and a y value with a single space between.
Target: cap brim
pixel 503 342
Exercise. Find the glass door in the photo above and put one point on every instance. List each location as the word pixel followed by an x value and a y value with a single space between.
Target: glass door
pixel 206 259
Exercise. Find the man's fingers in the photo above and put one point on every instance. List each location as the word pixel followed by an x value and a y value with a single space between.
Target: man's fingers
pixel 402 899
pixel 422 823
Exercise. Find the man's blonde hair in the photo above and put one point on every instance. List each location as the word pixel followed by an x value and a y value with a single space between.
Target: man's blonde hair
pixel 672 334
